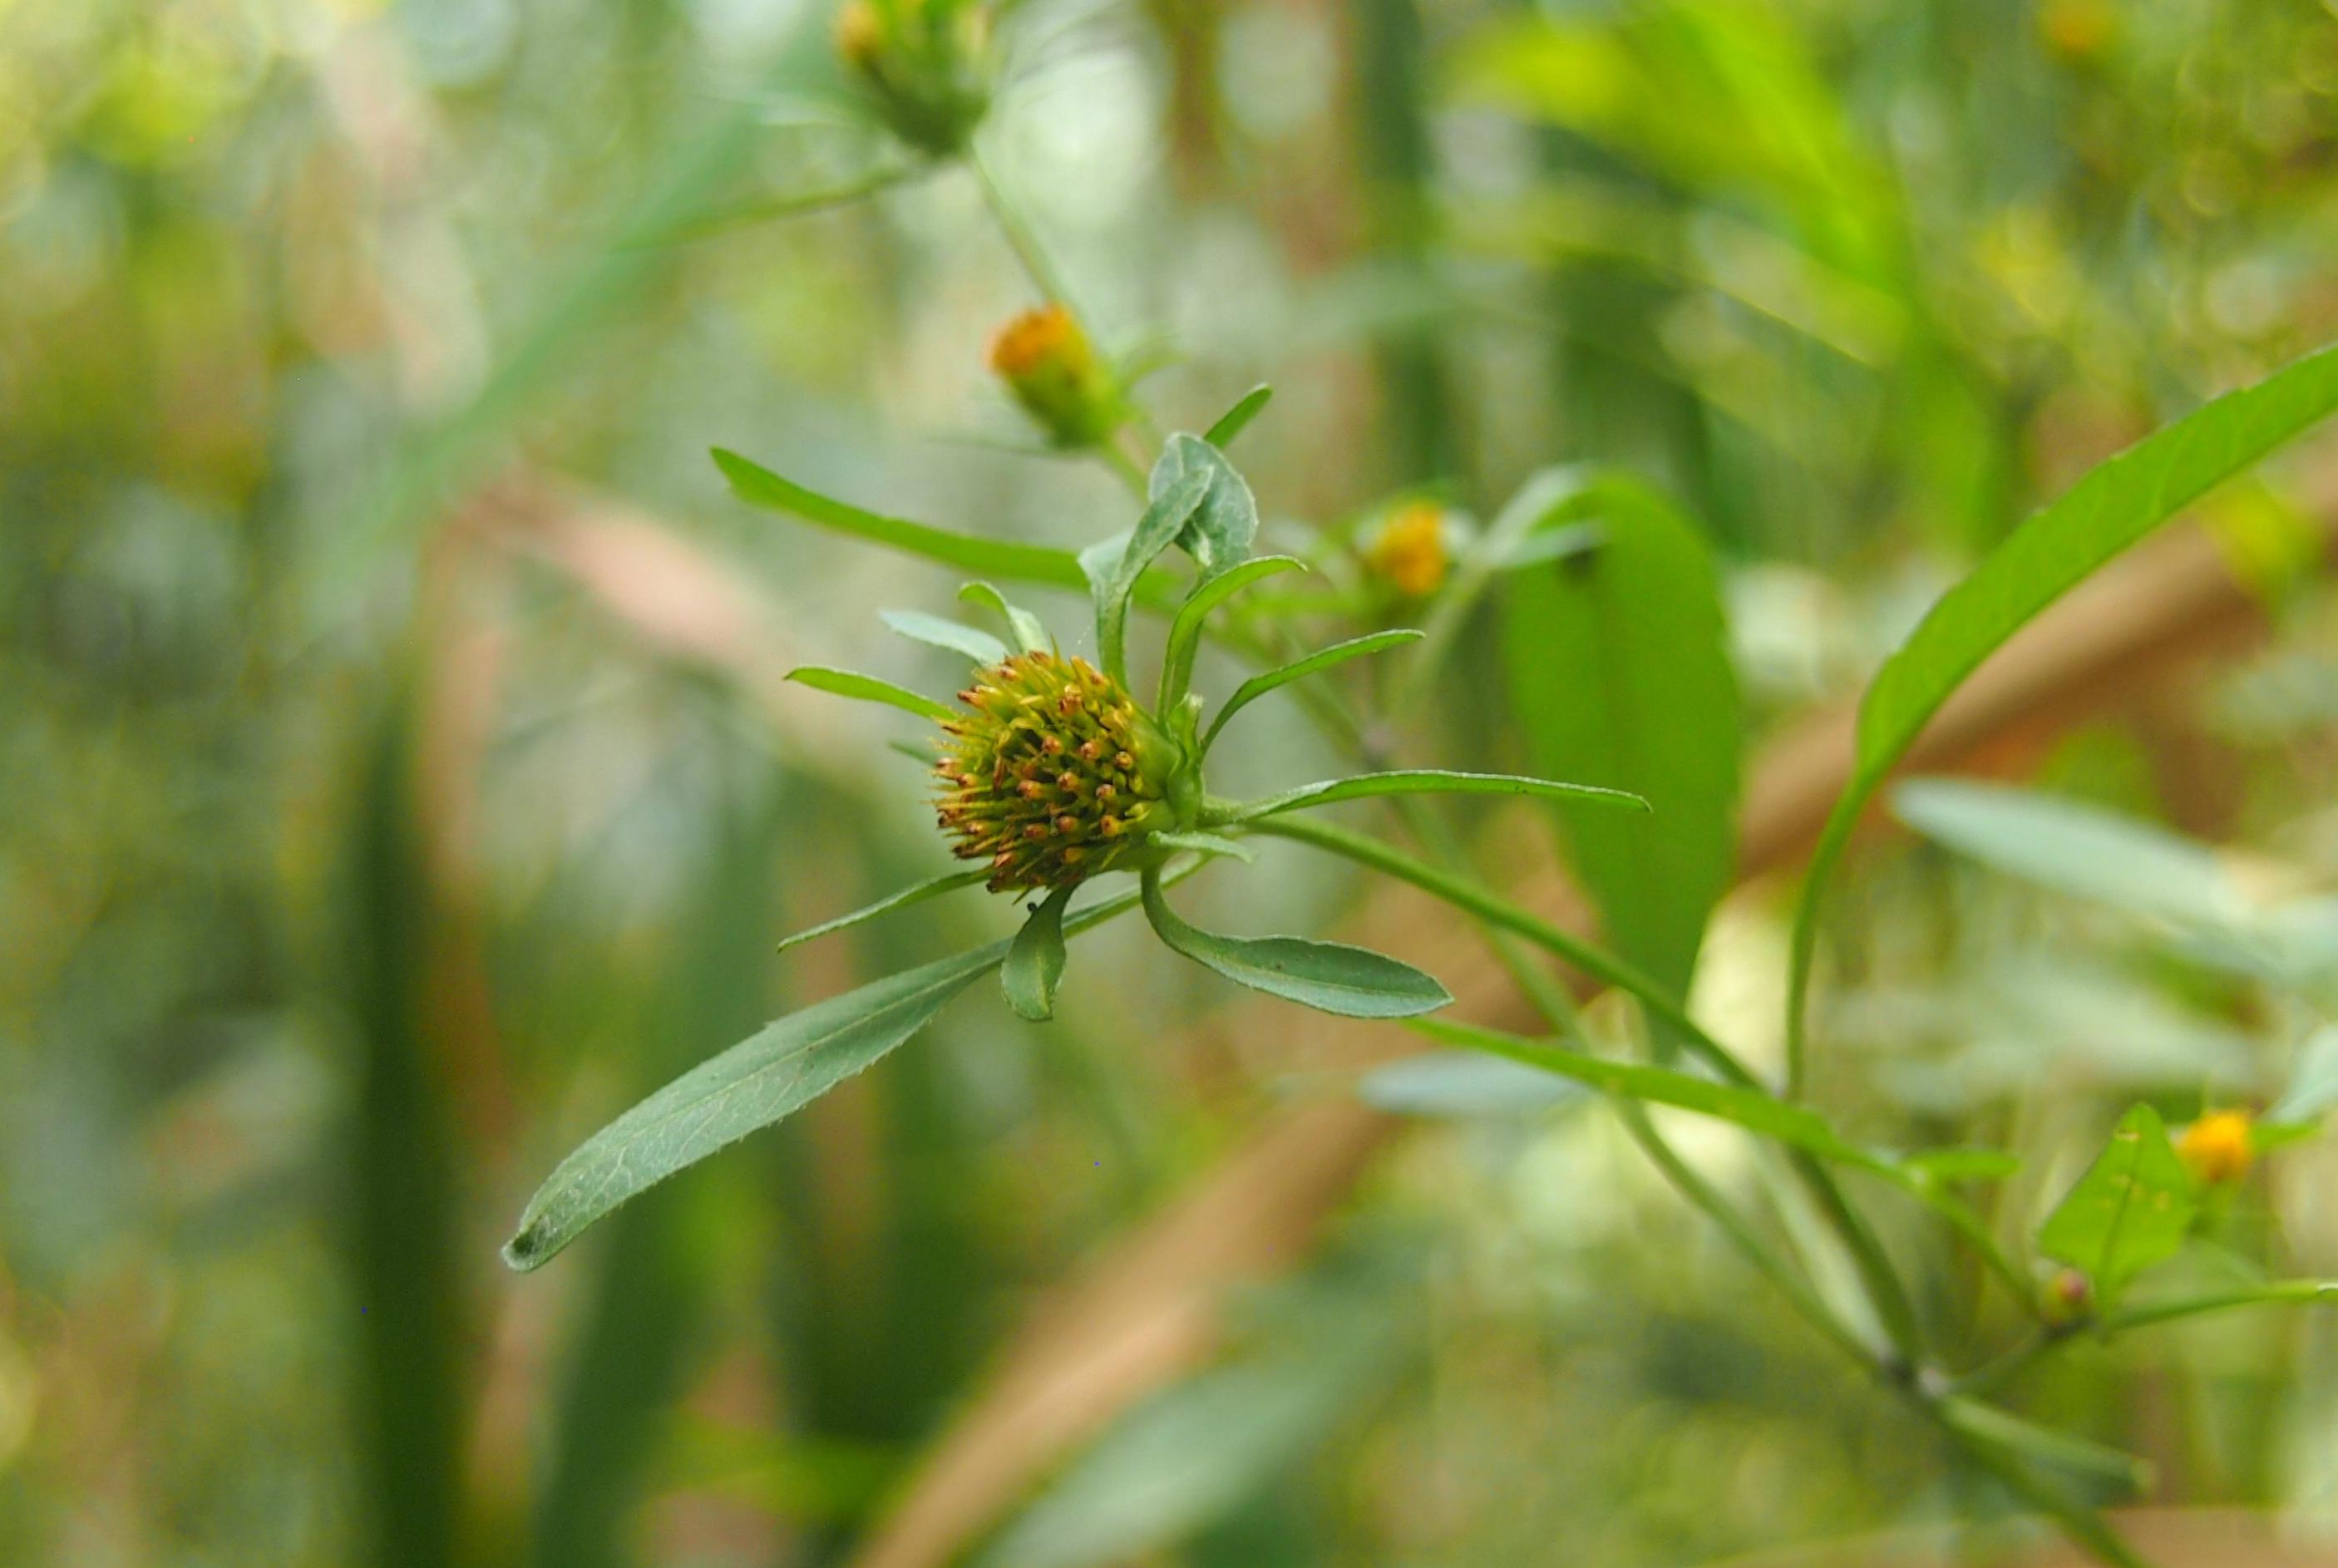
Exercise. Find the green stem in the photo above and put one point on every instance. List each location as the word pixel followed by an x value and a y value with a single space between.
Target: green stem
pixel 1019 235
pixel 1876 1272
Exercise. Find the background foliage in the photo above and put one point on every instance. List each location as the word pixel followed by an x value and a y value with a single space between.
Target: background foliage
pixel 398 778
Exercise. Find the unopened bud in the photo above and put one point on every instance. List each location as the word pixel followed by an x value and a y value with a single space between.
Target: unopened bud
pixel 1053 372
pixel 2070 1297
pixel 926 62
pixel 2218 1148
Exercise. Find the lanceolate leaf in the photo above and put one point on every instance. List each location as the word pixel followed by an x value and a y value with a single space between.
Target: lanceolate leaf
pixel 1218 535
pixel 787 1066
pixel 1427 781
pixel 1258 686
pixel 2129 1210
pixel 1035 962
pixel 1236 419
pixel 1620 676
pixel 916 893
pixel 1021 562
pixel 1185 631
pixel 933 631
pixel 869 689
pixel 1328 976
pixel 2112 506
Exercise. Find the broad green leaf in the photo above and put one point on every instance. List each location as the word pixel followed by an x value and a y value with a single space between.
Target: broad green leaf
pixel 1218 534
pixel 2128 1211
pixel 1185 631
pixel 1465 1084
pixel 1328 976
pixel 2116 505
pixel 1258 685
pixel 1030 635
pixel 1035 961
pixel 2314 1085
pixel 1204 844
pixel 933 631
pixel 869 689
pixel 1425 781
pixel 774 1073
pixel 1236 419
pixel 2075 848
pixel 1620 675
pixel 916 893
pixel 1158 529
pixel 1021 562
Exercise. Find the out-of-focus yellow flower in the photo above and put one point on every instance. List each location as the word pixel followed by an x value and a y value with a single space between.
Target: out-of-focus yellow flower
pixel 1408 553
pixel 1054 372
pixel 2077 29
pixel 926 62
pixel 2217 1149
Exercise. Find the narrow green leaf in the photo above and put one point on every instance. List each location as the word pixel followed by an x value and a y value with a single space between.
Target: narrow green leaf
pixel 2112 506
pixel 1796 1126
pixel 1185 631
pixel 2075 848
pixel 1620 675
pixel 1977 1422
pixel 2130 1210
pixel 1218 534
pixel 1236 419
pixel 774 1073
pixel 1426 781
pixel 1328 976
pixel 2274 1293
pixel 1035 962
pixel 933 631
pixel 1154 532
pixel 1204 844
pixel 916 893
pixel 869 689
pixel 1258 685
pixel 1030 635
pixel 1021 562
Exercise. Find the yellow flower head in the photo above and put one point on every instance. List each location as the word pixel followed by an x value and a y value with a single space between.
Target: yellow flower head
pixel 1409 553
pixel 2217 1149
pixel 1055 775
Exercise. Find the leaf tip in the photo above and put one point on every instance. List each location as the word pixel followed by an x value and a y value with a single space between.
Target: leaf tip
pixel 526 1250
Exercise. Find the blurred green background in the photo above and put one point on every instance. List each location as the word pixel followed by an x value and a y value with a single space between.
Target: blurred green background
pixel 395 782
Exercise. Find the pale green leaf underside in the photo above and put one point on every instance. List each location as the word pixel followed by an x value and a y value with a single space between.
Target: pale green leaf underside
pixel 1428 781
pixel 1218 532
pixel 937 632
pixel 2130 1210
pixel 1155 531
pixel 1328 976
pixel 869 689
pixel 1030 635
pixel 784 1066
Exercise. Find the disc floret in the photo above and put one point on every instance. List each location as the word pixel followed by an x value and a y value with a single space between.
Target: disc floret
pixel 1053 774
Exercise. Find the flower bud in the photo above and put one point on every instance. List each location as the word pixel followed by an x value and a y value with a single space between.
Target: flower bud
pixel 2070 1297
pixel 2217 1149
pixel 1051 368
pixel 927 63
pixel 1409 553
pixel 1053 774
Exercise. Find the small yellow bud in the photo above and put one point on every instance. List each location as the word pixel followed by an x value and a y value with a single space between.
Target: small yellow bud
pixel 1408 553
pixel 2070 1297
pixel 2217 1149
pixel 1053 370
